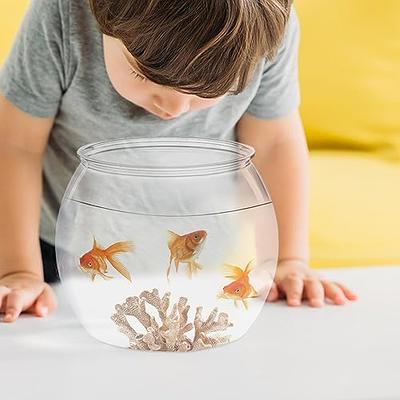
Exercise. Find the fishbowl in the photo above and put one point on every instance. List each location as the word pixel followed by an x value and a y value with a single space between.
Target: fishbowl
pixel 166 244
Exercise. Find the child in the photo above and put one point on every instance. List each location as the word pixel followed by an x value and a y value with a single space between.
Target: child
pixel 82 71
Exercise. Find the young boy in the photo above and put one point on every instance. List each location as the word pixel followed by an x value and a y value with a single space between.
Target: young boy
pixel 82 71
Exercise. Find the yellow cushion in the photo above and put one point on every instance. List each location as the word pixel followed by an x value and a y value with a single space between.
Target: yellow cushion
pixel 349 65
pixel 10 17
pixel 350 74
pixel 355 209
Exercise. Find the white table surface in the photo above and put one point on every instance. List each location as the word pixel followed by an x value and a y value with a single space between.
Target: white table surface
pixel 335 352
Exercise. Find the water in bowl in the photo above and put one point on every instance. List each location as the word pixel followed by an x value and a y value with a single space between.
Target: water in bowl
pixel 239 238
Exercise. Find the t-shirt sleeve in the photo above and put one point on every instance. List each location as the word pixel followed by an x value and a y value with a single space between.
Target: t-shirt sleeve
pixel 278 93
pixel 33 77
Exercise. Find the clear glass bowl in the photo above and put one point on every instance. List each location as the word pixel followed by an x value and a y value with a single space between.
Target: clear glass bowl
pixel 166 244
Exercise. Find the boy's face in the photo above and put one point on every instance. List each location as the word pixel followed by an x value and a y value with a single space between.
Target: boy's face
pixel 161 101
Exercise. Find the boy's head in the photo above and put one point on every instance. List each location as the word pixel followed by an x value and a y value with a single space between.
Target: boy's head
pixel 190 53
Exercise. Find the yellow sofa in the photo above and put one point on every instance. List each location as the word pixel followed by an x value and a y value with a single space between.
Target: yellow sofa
pixel 350 81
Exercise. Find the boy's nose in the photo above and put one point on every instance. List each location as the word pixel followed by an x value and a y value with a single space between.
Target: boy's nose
pixel 173 107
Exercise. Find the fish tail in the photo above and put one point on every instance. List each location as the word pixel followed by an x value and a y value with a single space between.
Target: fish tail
pixel 120 268
pixel 249 267
pixel 119 247
pixel 233 271
pixel 172 236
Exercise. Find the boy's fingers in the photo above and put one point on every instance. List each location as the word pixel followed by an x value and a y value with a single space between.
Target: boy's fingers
pixel 14 305
pixel 4 291
pixel 347 292
pixel 292 285
pixel 273 294
pixel 315 291
pixel 334 292
pixel 46 302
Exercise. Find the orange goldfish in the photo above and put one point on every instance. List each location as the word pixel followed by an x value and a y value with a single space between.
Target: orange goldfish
pixel 94 261
pixel 184 249
pixel 240 288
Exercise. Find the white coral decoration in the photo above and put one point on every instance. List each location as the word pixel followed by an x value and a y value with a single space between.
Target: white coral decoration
pixel 171 334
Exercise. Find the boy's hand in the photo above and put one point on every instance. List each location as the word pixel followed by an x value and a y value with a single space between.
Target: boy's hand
pixel 295 280
pixel 25 291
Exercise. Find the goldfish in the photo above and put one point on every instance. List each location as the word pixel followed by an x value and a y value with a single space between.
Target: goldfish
pixel 184 249
pixel 94 262
pixel 240 288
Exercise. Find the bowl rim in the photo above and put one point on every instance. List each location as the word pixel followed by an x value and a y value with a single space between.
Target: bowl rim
pixel 242 155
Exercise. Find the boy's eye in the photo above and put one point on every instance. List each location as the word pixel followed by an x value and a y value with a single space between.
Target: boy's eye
pixel 136 75
pixel 231 93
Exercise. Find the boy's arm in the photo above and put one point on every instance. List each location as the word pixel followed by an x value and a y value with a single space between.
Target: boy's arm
pixel 282 161
pixel 23 139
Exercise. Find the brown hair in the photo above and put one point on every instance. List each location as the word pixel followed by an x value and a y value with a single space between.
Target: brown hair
pixel 202 47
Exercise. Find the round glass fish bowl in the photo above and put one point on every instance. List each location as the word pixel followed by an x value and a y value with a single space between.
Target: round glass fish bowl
pixel 166 244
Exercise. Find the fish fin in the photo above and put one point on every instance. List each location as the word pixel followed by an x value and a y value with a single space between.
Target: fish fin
pixel 101 263
pixel 172 236
pixel 253 292
pixel 106 277
pixel 189 269
pixel 120 268
pixel 220 295
pixel 169 267
pixel 197 266
pixel 95 245
pixel 176 264
pixel 249 267
pixel 245 304
pixel 119 247
pixel 232 271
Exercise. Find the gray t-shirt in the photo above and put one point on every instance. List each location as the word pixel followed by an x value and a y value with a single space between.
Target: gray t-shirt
pixel 56 69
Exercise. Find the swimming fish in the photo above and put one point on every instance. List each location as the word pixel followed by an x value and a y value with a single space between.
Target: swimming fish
pixel 240 288
pixel 94 262
pixel 184 249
